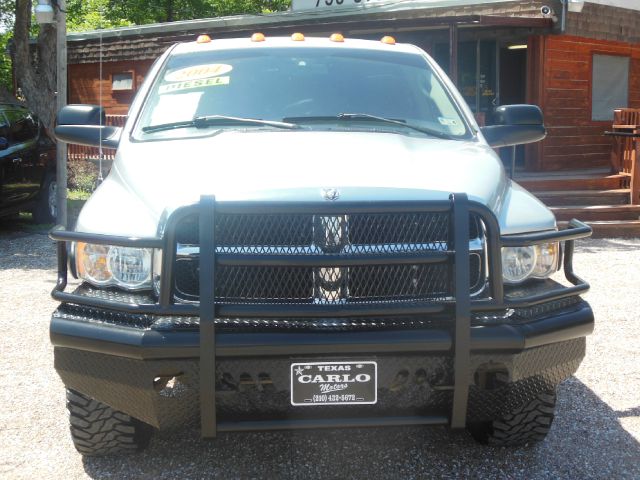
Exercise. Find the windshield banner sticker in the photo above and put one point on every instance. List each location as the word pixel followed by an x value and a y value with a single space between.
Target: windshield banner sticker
pixel 198 72
pixel 205 82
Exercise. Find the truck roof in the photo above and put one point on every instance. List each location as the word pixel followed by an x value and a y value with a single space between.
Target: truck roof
pixel 279 42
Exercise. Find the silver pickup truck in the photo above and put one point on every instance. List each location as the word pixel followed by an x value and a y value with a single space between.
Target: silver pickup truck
pixel 311 233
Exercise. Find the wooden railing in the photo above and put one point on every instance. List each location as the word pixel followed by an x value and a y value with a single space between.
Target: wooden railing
pixel 81 152
pixel 625 156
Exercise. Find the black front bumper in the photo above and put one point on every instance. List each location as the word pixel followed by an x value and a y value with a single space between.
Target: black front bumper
pixel 236 380
pixel 127 368
pixel 81 333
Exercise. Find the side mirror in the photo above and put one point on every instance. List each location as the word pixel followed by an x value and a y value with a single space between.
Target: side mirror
pixel 84 125
pixel 81 115
pixel 515 125
pixel 4 143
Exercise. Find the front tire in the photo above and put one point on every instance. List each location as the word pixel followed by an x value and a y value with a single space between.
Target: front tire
pixel 46 209
pixel 98 430
pixel 529 422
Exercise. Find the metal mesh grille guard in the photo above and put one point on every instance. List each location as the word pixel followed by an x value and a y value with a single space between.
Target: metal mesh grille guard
pixel 325 237
pixel 282 261
pixel 399 232
pixel 331 285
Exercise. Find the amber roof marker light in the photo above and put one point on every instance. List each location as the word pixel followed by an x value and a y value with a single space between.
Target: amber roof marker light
pixel 257 37
pixel 388 40
pixel 203 39
pixel 297 37
pixel 336 37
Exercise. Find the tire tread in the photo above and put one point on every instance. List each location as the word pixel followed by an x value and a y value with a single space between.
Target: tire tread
pixel 529 422
pixel 98 430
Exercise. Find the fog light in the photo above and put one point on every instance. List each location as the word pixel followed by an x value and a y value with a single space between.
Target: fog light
pixel 518 263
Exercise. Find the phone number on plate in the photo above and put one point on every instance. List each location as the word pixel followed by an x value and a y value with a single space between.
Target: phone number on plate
pixel 343 397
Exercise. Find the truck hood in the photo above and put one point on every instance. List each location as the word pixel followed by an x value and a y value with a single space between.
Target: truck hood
pixel 149 178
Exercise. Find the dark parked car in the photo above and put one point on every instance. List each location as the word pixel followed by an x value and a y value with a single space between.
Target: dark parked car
pixel 27 165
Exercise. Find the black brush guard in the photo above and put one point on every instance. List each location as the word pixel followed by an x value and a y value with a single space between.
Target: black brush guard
pixel 458 207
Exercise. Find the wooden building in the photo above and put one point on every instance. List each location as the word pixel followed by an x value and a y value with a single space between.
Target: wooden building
pixel 505 52
pixel 578 66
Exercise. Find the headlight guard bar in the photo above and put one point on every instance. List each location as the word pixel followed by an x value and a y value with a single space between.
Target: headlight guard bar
pixel 167 306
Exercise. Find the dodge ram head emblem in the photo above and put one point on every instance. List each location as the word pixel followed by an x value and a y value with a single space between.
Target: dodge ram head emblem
pixel 330 194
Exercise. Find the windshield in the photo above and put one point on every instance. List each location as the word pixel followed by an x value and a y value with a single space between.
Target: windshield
pixel 317 88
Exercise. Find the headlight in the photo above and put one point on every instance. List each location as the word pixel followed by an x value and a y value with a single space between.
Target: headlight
pixel 130 267
pixel 518 263
pixel 522 263
pixel 547 256
pixel 104 265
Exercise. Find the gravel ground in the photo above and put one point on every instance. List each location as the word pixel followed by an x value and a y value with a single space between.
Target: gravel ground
pixel 596 433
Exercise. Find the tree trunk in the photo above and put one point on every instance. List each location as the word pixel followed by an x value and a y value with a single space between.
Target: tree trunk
pixel 169 10
pixel 35 66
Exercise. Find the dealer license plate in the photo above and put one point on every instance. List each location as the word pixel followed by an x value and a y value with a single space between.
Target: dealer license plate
pixel 334 383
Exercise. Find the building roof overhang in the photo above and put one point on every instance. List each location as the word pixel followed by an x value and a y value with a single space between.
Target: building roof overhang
pixel 147 42
pixel 425 17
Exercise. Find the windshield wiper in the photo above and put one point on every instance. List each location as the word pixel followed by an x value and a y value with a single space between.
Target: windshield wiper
pixel 368 117
pixel 217 120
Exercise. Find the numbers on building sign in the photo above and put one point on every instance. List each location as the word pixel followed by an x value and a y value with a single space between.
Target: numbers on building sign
pixel 329 3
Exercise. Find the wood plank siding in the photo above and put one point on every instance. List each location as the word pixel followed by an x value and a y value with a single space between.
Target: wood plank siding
pixel 574 140
pixel 85 84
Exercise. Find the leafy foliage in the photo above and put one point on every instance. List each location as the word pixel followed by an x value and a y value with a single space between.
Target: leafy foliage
pixel 153 11
pixel 237 7
pixel 7 8
pixel 83 15
pixel 6 79
pixel 94 14
pixel 82 175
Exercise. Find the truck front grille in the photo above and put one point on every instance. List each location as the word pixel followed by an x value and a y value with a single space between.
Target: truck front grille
pixel 342 235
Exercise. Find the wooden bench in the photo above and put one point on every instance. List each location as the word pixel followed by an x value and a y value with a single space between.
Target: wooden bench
pixel 625 154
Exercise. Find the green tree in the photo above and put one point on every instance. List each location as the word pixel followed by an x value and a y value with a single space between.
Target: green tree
pixel 237 7
pixel 7 8
pixel 35 68
pixel 6 77
pixel 141 12
pixel 83 15
pixel 36 73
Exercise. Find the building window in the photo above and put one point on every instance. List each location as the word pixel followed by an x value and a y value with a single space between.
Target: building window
pixel 477 73
pixel 610 86
pixel 122 81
